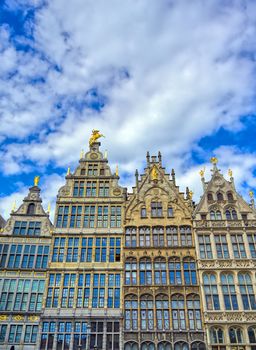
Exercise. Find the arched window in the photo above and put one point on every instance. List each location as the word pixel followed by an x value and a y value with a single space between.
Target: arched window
pixel 252 335
pixel 235 335
pixel 229 291
pixel 178 312
pixel 131 271
pixel 160 271
pixel 162 312
pixel 185 235
pixel 170 212
pixel 145 271
pixel 194 314
pixel 158 236
pixel 175 271
pixel 131 312
pixel 246 290
pixel 234 214
pixel 211 292
pixel 198 345
pixel 216 335
pixel 130 236
pixel 228 215
pixel 189 267
pixel 31 209
pixel 230 197
pixel 172 236
pixel 215 215
pixel 131 345
pixel 147 312
pixel 143 212
pixel 163 345
pixel 144 233
pixel 181 346
pixel 219 196
pixel 209 197
pixel 148 346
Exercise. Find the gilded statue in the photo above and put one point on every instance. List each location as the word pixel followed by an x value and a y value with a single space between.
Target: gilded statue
pixel 95 136
pixel 201 172
pixel 214 160
pixel 36 180
pixel 230 173
pixel 251 194
pixel 190 194
pixel 154 173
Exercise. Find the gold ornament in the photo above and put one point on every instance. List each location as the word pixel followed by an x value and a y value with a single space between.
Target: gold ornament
pixel 95 136
pixel 202 171
pixel 251 194
pixel 230 173
pixel 117 170
pixel 82 154
pixel 49 207
pixel 36 180
pixel 190 194
pixel 68 171
pixel 154 173
pixel 214 160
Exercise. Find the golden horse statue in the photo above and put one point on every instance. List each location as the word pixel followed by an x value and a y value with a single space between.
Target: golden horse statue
pixel 94 137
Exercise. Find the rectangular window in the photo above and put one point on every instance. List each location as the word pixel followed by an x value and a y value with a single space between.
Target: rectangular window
pixel 58 249
pixel 89 216
pixel 114 290
pixel 104 189
pixel 42 257
pixel 101 249
pixel 238 246
pixel 3 329
pixel 114 249
pixel 68 290
pixel 78 190
pixel 62 218
pixel 83 291
pixel 86 249
pixel 52 299
pixel 205 248
pixel 15 333
pixel 102 217
pixel 98 296
pixel 76 213
pixel 34 228
pixel 115 218
pixel 221 246
pixel 92 169
pixel 28 257
pixel 91 189
pixel 72 250
pixel 15 256
pixel 30 334
pixel 4 248
pixel 156 209
pixel 20 228
pixel 252 244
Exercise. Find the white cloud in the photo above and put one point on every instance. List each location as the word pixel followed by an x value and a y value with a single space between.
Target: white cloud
pixel 189 73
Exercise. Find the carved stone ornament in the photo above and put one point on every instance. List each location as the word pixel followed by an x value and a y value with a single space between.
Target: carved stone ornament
pixel 33 318
pixel 3 317
pixel 18 318
pixel 116 191
pixel 94 156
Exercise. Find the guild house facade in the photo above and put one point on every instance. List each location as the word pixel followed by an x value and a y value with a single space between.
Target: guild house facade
pixel 147 270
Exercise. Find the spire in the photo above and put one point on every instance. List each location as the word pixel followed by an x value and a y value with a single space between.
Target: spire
pixel 201 172
pixel 214 162
pixel 160 158
pixel 137 178
pixel 173 177
pixel 148 158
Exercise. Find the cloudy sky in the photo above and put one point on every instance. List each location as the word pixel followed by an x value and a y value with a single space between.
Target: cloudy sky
pixel 175 76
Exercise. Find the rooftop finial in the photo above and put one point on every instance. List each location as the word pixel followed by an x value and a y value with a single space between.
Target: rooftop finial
pixel 173 177
pixel 68 171
pixel 159 157
pixel 106 154
pixel 82 154
pixel 95 136
pixel 202 171
pixel 230 173
pixel 117 171
pixel 36 180
pixel 251 194
pixel 148 158
pixel 13 206
pixel 49 208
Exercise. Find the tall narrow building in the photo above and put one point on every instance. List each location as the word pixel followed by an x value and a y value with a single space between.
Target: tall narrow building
pixel 24 250
pixel 162 308
pixel 224 227
pixel 82 305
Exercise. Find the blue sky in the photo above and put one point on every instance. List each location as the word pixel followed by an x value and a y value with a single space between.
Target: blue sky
pixel 174 76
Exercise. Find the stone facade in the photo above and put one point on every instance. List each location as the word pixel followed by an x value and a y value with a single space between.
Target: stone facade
pixel 25 244
pixel 162 308
pixel 83 294
pixel 224 226
pixel 148 270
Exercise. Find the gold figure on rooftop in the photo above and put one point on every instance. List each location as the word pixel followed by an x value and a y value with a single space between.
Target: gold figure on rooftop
pixel 154 174
pixel 214 160
pixel 36 180
pixel 95 136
